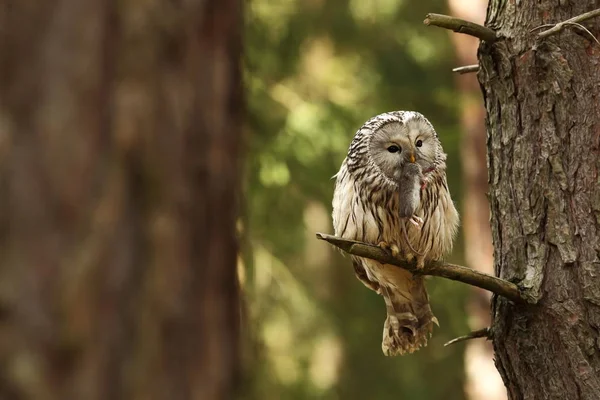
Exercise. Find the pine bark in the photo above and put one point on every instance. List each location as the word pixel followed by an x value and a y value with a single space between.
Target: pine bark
pixel 120 132
pixel 543 121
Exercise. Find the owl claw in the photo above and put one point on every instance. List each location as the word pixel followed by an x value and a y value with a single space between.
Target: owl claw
pixel 392 248
pixel 416 221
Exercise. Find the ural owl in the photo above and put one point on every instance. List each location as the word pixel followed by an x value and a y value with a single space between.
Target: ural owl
pixel 391 191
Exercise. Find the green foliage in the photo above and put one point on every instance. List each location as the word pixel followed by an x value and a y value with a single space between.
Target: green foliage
pixel 315 70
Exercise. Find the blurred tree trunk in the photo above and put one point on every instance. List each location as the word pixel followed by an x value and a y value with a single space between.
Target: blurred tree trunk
pixel 119 145
pixel 483 381
pixel 543 118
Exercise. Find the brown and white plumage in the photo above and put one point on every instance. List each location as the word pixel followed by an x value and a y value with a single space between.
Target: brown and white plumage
pixel 366 207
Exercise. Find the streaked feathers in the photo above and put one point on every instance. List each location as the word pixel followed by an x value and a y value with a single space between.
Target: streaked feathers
pixel 366 208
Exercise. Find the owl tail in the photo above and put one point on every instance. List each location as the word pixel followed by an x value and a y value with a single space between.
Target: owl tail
pixel 409 321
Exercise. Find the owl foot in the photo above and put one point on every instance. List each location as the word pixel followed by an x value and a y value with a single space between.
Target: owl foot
pixel 420 262
pixel 392 248
pixel 416 221
pixel 421 259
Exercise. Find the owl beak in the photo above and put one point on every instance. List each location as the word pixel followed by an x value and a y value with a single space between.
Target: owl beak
pixel 412 157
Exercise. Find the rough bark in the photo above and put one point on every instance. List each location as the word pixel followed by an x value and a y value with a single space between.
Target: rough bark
pixel 119 141
pixel 483 380
pixel 543 120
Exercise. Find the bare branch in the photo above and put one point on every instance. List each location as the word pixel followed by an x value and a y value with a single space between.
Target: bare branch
pixel 434 268
pixel 481 333
pixel 570 22
pixel 461 26
pixel 586 30
pixel 467 69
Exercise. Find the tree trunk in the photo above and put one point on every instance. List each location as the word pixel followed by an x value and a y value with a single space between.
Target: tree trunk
pixel 120 128
pixel 543 118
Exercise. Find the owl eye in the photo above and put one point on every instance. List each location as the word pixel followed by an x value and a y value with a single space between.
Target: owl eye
pixel 394 149
pixel 419 143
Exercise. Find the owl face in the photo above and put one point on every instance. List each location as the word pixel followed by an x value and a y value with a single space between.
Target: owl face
pixel 398 143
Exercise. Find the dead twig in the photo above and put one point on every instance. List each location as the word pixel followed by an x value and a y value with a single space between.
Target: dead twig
pixel 467 69
pixel 575 21
pixel 435 268
pixel 481 333
pixel 461 26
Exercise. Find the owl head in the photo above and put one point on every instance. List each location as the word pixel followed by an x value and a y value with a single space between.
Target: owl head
pixel 400 138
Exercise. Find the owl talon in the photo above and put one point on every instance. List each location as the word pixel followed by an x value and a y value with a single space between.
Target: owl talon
pixel 384 245
pixel 420 262
pixel 392 248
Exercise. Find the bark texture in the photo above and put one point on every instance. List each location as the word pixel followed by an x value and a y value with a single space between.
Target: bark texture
pixel 119 140
pixel 543 119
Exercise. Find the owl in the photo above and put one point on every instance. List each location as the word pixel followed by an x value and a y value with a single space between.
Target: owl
pixel 391 191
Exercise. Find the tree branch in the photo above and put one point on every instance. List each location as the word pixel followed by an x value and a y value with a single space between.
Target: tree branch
pixel 561 25
pixel 481 333
pixel 461 26
pixel 434 268
pixel 467 69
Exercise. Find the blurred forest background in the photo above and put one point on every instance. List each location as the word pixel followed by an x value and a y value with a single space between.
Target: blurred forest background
pixel 314 72
pixel 119 150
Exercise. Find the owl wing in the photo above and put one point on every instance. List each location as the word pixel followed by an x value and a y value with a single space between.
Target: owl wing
pixel 344 220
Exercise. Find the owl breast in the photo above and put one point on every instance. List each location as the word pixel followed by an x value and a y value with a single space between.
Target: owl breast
pixel 368 211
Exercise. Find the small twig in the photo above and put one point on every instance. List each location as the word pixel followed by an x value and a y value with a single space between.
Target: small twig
pixel 586 30
pixel 561 25
pixel 461 26
pixel 435 268
pixel 467 69
pixel 537 28
pixel 481 333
